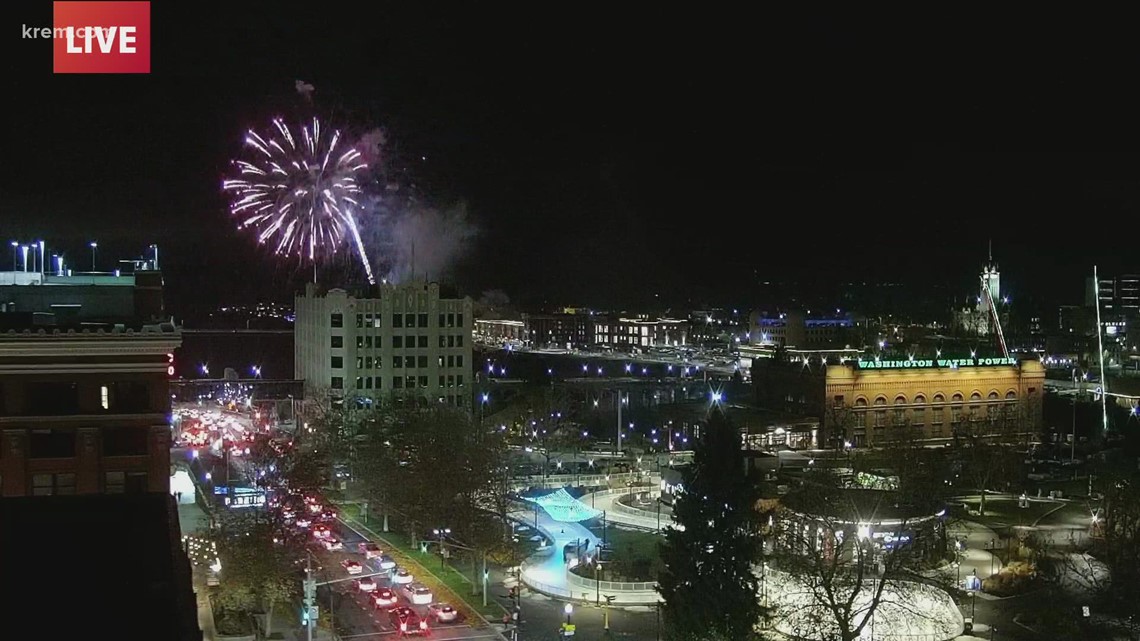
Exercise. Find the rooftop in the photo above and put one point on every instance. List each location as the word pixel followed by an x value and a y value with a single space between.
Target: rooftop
pixel 111 562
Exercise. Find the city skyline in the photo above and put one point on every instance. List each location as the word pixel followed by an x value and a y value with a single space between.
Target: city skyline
pixel 600 162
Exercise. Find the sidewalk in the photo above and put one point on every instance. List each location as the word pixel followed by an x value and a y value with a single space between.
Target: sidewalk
pixel 192 520
pixel 975 558
pixel 546 571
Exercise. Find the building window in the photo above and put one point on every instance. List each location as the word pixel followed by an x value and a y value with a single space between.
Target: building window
pixel 451 341
pixel 51 399
pixel 397 320
pixel 409 320
pixel 359 342
pixel 409 342
pixel 52 444
pixel 423 320
pixel 377 381
pixel 337 341
pixel 337 320
pixel 421 341
pixel 410 382
pixel 442 319
pixel 459 341
pixel 441 361
pixel 459 360
pixel 124 441
pixel 442 341
pixel 451 380
pixel 367 362
pixel 397 382
pixel 838 400
pixel 459 380
pixel 368 382
pixel 936 417
pixel 337 362
pixel 53 484
pixel 920 417
pixel 130 397
pixel 422 361
pixel 337 382
pixel 360 320
pixel 459 320
pixel 105 397
pixel 124 482
pixel 441 381
pixel 398 361
pixel 359 382
pixel 398 342
pixel 451 320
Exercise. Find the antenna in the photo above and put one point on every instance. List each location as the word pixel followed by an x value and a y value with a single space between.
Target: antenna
pixel 991 250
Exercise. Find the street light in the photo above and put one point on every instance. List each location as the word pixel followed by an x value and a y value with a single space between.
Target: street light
pixel 94 246
pixel 568 609
pixel 16 263
pixel 440 533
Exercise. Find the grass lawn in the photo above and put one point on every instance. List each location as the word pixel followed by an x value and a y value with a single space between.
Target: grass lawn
pixel 634 555
pixel 447 583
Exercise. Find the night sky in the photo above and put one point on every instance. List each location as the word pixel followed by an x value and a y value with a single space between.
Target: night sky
pixel 604 158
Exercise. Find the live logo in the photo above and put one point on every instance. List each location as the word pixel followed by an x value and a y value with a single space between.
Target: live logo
pixel 101 37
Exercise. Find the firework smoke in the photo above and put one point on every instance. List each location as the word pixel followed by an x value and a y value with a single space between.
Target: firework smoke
pixel 424 242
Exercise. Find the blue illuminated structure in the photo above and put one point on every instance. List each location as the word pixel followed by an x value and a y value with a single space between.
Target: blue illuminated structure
pixel 565 508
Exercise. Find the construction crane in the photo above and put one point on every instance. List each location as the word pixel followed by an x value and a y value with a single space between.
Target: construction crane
pixel 994 318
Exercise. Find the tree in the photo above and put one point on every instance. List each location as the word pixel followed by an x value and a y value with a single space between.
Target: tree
pixel 987 464
pixel 1118 545
pixel 708 584
pixel 833 575
pixel 257 564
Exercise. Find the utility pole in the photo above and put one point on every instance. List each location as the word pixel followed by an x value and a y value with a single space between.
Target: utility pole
pixel 620 400
pixel 310 600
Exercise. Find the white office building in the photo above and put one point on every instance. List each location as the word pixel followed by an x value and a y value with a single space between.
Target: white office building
pixel 405 343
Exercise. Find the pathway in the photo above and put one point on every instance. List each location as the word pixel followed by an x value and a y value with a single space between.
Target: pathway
pixel 605 502
pixel 192 520
pixel 546 571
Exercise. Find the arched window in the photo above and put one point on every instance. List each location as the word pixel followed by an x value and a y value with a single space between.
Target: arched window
pixel 956 408
pixel 918 413
pixel 975 406
pixel 881 411
pixel 900 411
pixel 1011 395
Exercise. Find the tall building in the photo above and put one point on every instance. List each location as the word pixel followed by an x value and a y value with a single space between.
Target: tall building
pixel 85 362
pixel 406 342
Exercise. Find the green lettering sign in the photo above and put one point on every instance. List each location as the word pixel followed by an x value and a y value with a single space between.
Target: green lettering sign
pixel 914 363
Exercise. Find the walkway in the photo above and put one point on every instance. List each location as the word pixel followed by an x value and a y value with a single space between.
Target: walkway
pixel 546 571
pixel 624 515
pixel 975 557
pixel 192 520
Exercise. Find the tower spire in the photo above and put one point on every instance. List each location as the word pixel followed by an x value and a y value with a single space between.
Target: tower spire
pixel 991 250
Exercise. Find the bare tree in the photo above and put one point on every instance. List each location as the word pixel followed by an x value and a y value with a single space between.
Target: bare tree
pixel 842 556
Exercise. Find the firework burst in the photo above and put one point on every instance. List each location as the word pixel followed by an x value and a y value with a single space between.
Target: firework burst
pixel 300 193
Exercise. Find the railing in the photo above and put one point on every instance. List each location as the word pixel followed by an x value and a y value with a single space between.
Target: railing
pixel 561 480
pixel 609 586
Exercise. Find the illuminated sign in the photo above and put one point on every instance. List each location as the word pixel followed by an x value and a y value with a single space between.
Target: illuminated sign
pixel 170 364
pixel 918 363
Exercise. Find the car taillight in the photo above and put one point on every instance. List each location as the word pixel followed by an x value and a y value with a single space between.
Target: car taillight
pixel 423 625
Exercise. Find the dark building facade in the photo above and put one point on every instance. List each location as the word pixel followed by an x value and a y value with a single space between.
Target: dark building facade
pixel 84 386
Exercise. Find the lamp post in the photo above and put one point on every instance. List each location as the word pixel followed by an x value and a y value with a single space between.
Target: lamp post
pixel 598 580
pixel 15 255
pixel 94 246
pixel 440 533
pixel 568 609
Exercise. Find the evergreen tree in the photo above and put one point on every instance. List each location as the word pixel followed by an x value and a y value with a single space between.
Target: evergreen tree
pixel 708 584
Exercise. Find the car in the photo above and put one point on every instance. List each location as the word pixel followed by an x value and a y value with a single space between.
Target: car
pixel 407 621
pixel 401 576
pixel 443 612
pixel 352 567
pixel 322 532
pixel 303 522
pixel 383 597
pixel 417 593
pixel 332 545
pixel 386 562
pixel 369 549
pixel 366 584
